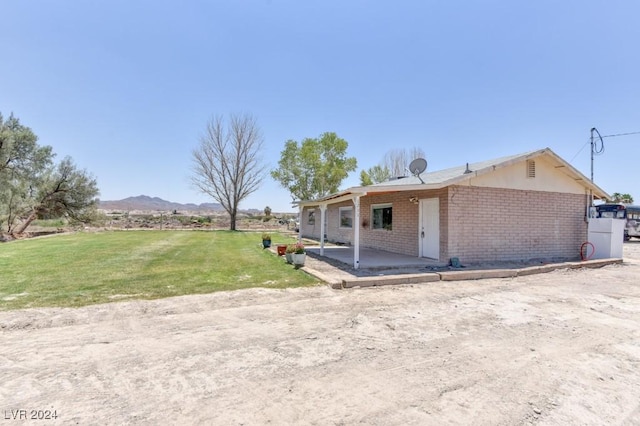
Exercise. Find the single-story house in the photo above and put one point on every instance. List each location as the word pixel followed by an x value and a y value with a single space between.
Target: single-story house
pixel 522 207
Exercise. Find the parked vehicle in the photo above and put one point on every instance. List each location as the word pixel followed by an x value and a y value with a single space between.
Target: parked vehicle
pixel 623 211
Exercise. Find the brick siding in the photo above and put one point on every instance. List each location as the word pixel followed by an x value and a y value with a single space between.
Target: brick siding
pixel 491 224
pixel 310 230
pixel 477 224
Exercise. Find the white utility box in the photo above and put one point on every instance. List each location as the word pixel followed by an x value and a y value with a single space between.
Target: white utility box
pixel 607 236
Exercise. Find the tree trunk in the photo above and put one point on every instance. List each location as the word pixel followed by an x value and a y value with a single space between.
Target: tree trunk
pixel 23 226
pixel 232 216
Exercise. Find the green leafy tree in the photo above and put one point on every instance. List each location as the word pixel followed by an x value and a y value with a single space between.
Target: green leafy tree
pixel 365 178
pixel 64 191
pixel 267 211
pixel 227 165
pixel 621 198
pixel 376 174
pixel 314 168
pixel 33 187
pixel 394 163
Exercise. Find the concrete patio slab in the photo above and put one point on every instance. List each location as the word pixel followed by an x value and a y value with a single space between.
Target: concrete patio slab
pixel 379 268
pixel 375 259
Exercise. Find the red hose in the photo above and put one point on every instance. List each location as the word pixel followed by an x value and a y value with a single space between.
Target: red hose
pixel 582 251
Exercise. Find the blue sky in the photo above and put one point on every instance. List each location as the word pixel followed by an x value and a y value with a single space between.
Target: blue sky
pixel 126 87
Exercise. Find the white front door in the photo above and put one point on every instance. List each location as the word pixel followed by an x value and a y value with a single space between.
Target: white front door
pixel 430 228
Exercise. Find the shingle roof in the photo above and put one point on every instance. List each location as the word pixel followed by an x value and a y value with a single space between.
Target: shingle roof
pixel 455 175
pixel 442 176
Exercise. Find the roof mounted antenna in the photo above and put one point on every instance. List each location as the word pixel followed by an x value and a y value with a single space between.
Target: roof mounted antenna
pixel 468 170
pixel 417 166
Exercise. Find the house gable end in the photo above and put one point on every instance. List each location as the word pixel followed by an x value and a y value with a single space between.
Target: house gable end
pixel 541 173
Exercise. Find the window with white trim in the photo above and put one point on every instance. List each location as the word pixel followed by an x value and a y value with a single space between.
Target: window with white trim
pixel 345 217
pixel 381 216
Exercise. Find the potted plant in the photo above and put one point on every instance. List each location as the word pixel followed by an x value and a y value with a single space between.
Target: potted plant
pixel 282 249
pixel 291 248
pixel 299 254
pixel 266 240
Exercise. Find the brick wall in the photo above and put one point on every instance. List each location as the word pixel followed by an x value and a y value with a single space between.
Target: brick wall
pixel 333 231
pixel 336 233
pixel 310 230
pixel 403 237
pixel 491 224
pixel 476 224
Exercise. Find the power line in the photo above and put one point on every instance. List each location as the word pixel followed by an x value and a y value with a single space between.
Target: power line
pixel 578 153
pixel 606 136
pixel 621 134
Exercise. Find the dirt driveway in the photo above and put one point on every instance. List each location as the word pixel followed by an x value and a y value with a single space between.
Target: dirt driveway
pixel 557 348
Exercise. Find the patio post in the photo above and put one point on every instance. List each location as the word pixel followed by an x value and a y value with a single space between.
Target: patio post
pixel 323 209
pixel 299 223
pixel 356 232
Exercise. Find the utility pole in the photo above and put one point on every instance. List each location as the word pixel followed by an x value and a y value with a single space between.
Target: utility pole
pixel 595 150
pixel 599 149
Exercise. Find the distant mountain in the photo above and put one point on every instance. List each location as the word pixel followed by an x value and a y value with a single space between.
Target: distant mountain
pixel 144 202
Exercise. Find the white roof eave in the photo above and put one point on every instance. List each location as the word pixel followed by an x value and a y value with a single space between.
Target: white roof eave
pixel 339 197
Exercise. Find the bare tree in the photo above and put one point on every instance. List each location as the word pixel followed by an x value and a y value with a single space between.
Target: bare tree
pixel 227 165
pixel 397 160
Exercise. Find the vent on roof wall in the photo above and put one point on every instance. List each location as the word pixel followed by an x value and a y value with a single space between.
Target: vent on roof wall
pixel 531 168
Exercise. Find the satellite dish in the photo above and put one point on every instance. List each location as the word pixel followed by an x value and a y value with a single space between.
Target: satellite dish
pixel 418 166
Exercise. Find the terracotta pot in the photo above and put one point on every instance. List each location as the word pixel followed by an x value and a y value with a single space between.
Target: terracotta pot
pixel 282 249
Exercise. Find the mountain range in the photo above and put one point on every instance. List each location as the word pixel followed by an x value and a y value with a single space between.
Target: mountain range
pixel 144 202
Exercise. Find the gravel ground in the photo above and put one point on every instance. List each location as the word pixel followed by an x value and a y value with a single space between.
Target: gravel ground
pixel 548 349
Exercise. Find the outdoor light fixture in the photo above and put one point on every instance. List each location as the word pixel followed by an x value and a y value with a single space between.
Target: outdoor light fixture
pixel 413 200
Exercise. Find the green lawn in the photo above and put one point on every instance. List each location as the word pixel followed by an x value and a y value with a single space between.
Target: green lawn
pixel 88 268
